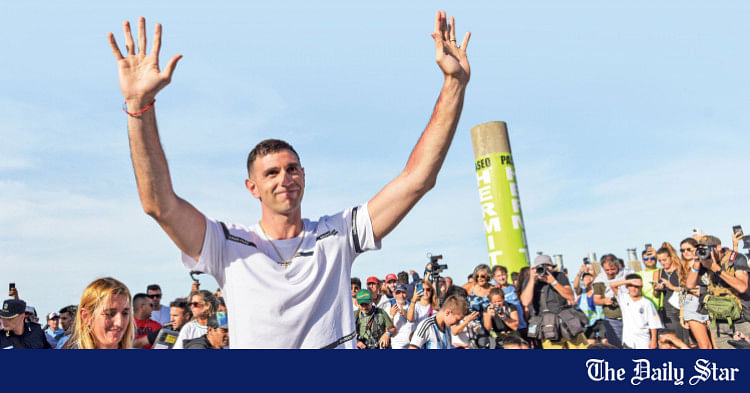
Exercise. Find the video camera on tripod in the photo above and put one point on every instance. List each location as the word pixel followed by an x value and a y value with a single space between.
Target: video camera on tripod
pixel 434 268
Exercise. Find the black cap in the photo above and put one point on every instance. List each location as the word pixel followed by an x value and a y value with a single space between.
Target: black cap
pixel 12 308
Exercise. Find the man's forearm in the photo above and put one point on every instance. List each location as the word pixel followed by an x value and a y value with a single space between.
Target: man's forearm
pixel 527 295
pixel 565 291
pixel 149 163
pixel 428 155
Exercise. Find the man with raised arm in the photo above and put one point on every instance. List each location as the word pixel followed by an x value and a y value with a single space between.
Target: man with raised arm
pixel 286 278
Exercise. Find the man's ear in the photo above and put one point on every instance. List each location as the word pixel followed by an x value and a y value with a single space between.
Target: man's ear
pixel 252 187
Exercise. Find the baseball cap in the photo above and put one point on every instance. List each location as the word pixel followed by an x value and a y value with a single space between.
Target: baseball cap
pixel 710 240
pixel 52 315
pixel 218 320
pixel 542 260
pixel 12 308
pixel 31 310
pixel 372 279
pixel 400 287
pixel 391 277
pixel 363 296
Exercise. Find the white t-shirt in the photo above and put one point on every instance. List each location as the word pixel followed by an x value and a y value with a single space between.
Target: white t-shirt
pixel 428 335
pixel 638 317
pixel 384 304
pixel 403 329
pixel 161 316
pixel 190 331
pixel 305 305
pixel 421 312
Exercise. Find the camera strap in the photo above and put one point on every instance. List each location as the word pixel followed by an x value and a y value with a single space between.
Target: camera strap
pixel 340 341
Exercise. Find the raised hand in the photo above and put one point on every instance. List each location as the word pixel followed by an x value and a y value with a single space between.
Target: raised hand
pixel 139 74
pixel 451 57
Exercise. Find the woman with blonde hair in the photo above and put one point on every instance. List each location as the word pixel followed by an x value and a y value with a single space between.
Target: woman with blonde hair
pixel 104 319
pixel 667 290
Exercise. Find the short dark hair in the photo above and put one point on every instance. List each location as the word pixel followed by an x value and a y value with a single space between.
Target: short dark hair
pixel 153 287
pixel 403 277
pixel 183 304
pixel 356 281
pixel 496 292
pixel 632 276
pixel 140 298
pixel 71 310
pixel 265 147
pixel 499 267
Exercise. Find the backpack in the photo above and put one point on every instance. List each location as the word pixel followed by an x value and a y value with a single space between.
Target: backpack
pixel 721 302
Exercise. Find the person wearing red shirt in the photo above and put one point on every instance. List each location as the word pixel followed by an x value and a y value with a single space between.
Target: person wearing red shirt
pixel 142 308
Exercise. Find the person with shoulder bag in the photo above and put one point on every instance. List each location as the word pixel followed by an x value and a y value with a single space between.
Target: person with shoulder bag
pixel 546 293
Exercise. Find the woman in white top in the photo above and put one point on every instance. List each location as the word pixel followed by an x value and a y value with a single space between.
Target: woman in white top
pixel 425 303
pixel 202 304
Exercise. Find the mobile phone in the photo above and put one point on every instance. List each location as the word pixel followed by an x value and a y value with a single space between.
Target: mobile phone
pixel 737 229
pixel 11 286
pixel 586 261
pixel 419 286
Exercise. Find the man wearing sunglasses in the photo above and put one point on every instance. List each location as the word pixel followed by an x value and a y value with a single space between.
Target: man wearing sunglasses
pixel 160 313
pixel 647 275
pixel 144 325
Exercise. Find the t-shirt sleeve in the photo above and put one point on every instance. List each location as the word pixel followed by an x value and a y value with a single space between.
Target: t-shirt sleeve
pixel 419 338
pixel 388 322
pixel 359 226
pixel 211 260
pixel 741 263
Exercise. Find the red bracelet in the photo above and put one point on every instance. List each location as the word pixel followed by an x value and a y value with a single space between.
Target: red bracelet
pixel 137 114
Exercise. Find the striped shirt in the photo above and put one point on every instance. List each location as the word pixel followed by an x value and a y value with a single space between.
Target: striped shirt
pixel 428 335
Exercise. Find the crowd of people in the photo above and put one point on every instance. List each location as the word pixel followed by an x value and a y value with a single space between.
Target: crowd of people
pixel 697 299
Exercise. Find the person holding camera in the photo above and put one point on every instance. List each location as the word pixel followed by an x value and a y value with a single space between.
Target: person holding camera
pixel 693 314
pixel 372 325
pixel 500 274
pixel 546 293
pixel 595 330
pixel 727 273
pixel 500 318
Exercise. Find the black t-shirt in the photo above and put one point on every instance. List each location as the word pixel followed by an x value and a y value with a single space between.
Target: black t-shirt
pixel 555 301
pixel 32 338
pixel 498 325
pixel 739 262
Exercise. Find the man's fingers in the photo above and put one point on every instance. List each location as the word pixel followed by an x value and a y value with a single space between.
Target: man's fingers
pixel 156 46
pixel 129 44
pixel 437 23
pixel 115 48
pixel 169 69
pixel 444 26
pixel 452 29
pixel 465 42
pixel 142 36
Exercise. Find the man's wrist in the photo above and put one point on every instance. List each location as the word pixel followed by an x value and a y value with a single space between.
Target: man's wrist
pixel 138 103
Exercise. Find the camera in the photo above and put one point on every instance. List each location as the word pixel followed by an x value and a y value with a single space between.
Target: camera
pixel 435 266
pixel 541 270
pixel 703 251
pixel 498 311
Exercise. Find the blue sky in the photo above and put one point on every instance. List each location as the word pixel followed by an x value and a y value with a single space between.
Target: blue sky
pixel 628 123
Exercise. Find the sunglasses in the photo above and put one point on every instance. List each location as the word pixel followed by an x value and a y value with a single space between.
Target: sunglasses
pixel 154 296
pixel 195 304
pixel 687 249
pixel 649 259
pixel 483 276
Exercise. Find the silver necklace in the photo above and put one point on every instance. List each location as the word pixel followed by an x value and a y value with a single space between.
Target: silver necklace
pixel 284 262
